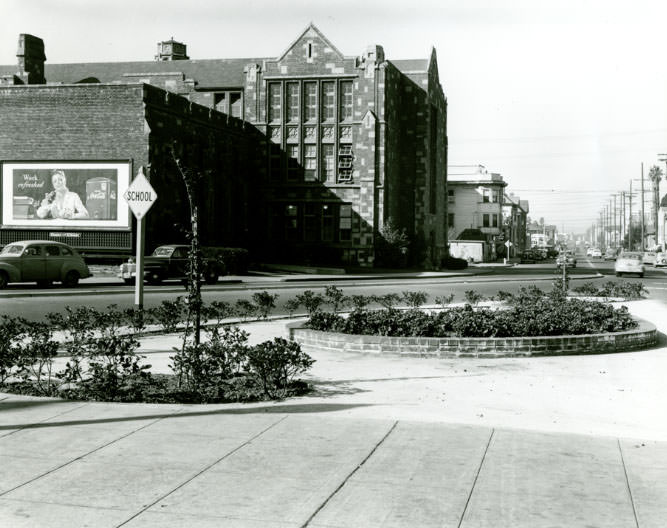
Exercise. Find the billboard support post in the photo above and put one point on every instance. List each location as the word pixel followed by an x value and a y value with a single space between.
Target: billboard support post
pixel 140 196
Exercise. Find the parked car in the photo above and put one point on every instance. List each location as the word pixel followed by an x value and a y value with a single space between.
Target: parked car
pixel 649 257
pixel 530 256
pixel 629 262
pixel 43 262
pixel 567 259
pixel 170 262
pixel 660 259
pixel 610 254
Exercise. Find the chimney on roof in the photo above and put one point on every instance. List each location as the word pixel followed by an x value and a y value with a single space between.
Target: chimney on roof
pixel 31 58
pixel 170 50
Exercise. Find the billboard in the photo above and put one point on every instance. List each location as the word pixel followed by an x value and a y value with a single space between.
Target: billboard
pixel 65 195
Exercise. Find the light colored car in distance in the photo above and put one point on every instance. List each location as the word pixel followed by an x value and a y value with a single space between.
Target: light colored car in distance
pixel 43 262
pixel 649 257
pixel 594 253
pixel 660 259
pixel 629 262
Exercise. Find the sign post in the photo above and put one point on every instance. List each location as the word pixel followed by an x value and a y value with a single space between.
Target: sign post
pixel 140 196
pixel 508 245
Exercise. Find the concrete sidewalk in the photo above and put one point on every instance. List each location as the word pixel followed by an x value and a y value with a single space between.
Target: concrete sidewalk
pixel 575 441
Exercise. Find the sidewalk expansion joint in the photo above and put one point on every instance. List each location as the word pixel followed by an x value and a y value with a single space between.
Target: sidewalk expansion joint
pixel 474 482
pixel 80 457
pixel 627 483
pixel 346 479
pixel 209 466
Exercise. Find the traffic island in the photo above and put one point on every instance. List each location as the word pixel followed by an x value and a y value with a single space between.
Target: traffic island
pixel 642 337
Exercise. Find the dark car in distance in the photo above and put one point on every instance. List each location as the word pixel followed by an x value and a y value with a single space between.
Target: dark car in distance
pixel 43 262
pixel 170 262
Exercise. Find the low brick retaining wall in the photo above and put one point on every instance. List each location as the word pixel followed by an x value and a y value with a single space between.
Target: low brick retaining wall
pixel 644 336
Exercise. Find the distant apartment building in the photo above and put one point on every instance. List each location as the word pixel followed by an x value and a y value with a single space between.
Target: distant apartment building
pixel 515 216
pixel 475 200
pixel 307 153
pixel 541 235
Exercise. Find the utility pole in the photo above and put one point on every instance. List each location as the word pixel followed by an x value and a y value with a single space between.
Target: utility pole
pixel 615 230
pixel 641 247
pixel 630 220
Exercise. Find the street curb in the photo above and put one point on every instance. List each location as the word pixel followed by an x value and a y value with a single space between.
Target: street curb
pixel 281 283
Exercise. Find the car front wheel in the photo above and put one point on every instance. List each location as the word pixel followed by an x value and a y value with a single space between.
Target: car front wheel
pixel 71 279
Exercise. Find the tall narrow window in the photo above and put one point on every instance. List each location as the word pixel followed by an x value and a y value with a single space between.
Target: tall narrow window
pixel 345 163
pixel 274 164
pixel 292 102
pixel 311 224
pixel 328 163
pixel 486 195
pixel 450 220
pixel 310 101
pixel 292 162
pixel 274 102
pixel 450 195
pixel 345 222
pixel 328 101
pixel 327 222
pixel 310 162
pixel 291 222
pixel 236 104
pixel 495 220
pixel 485 220
pixel 345 100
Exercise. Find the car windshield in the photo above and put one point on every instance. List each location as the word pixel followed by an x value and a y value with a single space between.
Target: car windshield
pixel 163 252
pixel 631 256
pixel 12 249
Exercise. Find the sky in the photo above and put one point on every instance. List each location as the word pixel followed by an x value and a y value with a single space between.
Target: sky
pixel 564 98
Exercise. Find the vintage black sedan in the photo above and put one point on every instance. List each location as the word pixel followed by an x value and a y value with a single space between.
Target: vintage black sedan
pixel 43 262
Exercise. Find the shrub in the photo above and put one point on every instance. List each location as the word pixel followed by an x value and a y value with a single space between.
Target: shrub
pixel 169 314
pixel 11 330
pixel 531 316
pixel 311 301
pixel 414 299
pixel 217 311
pixel 245 309
pixel 34 356
pixel 445 300
pixel 472 297
pixel 388 300
pixel 360 302
pixel 336 298
pixel 587 288
pixel 265 302
pixel 292 305
pixel 276 363
pixel 391 246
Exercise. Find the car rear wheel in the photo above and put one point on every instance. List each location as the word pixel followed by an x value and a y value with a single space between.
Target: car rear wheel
pixel 4 279
pixel 71 279
pixel 211 276
pixel 129 282
pixel 641 275
pixel 154 277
